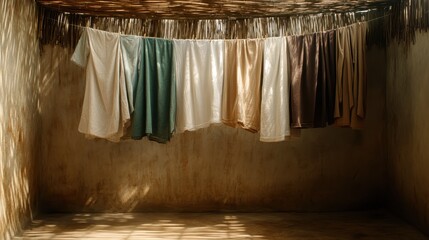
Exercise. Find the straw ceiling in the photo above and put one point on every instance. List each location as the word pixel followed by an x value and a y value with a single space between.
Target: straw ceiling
pixel 58 19
pixel 207 9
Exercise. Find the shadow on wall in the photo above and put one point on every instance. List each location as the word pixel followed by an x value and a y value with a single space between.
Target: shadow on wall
pixel 19 116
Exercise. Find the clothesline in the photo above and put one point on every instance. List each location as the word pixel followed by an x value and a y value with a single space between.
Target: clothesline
pixel 269 85
pixel 333 29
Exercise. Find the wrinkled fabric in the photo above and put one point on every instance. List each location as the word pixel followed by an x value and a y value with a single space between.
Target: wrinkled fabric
pixel 242 83
pixel 130 46
pixel 105 110
pixel 321 108
pixel 275 124
pixel 199 80
pixel 330 66
pixel 304 53
pixel 326 79
pixel 359 76
pixel 344 96
pixel 350 102
pixel 155 108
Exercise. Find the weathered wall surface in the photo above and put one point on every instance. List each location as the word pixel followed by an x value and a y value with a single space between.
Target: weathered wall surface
pixel 408 134
pixel 218 168
pixel 19 118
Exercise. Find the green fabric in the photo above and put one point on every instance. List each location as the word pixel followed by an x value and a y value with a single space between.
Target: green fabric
pixel 155 96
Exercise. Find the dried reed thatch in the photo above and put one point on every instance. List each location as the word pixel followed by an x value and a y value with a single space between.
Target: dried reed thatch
pixel 409 17
pixel 60 21
pixel 203 9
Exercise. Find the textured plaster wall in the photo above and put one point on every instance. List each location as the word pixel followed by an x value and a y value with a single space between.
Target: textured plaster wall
pixel 408 130
pixel 19 117
pixel 218 168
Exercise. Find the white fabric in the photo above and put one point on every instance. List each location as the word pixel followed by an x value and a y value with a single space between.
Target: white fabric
pixel 199 79
pixel 105 110
pixel 275 91
pixel 130 47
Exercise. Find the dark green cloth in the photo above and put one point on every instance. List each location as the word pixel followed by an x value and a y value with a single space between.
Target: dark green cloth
pixel 155 96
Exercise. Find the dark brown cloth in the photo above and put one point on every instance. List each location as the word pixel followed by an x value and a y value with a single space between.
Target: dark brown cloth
pixel 330 69
pixel 304 65
pixel 313 79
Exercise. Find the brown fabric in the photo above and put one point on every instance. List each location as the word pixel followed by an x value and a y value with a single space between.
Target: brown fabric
pixel 320 110
pixel 304 71
pixel 313 77
pixel 350 102
pixel 330 66
pixel 242 84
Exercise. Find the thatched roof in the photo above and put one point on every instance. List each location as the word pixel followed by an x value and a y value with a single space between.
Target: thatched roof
pixel 59 20
pixel 207 9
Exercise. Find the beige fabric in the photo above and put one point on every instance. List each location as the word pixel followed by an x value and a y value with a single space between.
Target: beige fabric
pixel 359 76
pixel 344 78
pixel 242 83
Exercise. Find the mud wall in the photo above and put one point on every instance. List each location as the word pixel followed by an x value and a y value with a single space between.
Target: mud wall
pixel 408 130
pixel 214 169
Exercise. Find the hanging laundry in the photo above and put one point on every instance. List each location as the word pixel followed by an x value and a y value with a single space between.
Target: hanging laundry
pixel 199 79
pixel 155 103
pixel 275 123
pixel 304 53
pixel 344 97
pixel 313 79
pixel 330 72
pixel 130 46
pixel 326 78
pixel 242 83
pixel 351 76
pixel 105 111
pixel 359 76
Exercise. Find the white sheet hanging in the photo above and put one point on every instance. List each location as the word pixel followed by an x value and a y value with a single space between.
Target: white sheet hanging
pixel 199 79
pixel 275 123
pixel 105 111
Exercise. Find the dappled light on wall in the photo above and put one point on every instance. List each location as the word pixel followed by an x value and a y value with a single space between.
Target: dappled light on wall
pixel 19 61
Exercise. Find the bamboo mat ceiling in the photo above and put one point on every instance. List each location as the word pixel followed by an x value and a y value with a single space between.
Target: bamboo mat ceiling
pixel 207 9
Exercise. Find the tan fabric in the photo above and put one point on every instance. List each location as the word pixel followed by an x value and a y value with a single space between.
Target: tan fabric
pixel 359 77
pixel 241 97
pixel 344 97
pixel 350 102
